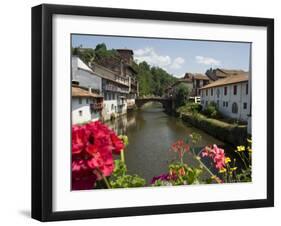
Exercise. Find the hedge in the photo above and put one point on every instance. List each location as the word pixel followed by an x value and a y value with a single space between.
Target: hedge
pixel 230 133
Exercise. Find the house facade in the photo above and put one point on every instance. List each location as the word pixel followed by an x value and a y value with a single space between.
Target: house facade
pixel 86 105
pixel 170 92
pixel 198 81
pixel 115 89
pixel 231 96
pixel 123 67
pixel 84 75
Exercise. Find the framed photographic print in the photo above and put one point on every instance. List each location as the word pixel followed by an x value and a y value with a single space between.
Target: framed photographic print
pixel 146 112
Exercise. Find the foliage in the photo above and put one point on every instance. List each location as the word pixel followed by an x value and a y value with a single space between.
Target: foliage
pixel 230 133
pixel 120 178
pixel 212 111
pixel 102 52
pixel 179 174
pixel 93 145
pixel 227 167
pixel 152 80
pixel 181 95
pixel 191 108
pixel 85 54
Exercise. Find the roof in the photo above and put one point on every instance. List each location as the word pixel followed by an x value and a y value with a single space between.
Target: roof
pixel 238 78
pixel 196 76
pixel 80 92
pixel 218 73
pixel 125 50
pixel 231 71
pixel 200 77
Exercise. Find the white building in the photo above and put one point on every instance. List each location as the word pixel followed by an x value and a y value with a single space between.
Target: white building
pixel 86 106
pixel 231 95
pixel 115 89
pixel 85 75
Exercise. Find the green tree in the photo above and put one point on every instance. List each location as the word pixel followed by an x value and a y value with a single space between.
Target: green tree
pixel 182 93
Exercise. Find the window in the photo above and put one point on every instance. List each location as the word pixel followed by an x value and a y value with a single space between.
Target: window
pixel 234 108
pixel 112 107
pixel 80 100
pixel 80 113
pixel 247 89
pixel 218 103
pixel 212 92
pixel 87 100
pixel 206 103
pixel 223 104
pixel 245 105
pixel 226 104
pixel 234 89
pixel 225 90
pixel 206 92
pixel 218 92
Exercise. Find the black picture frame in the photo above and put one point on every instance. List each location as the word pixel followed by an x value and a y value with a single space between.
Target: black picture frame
pixel 42 111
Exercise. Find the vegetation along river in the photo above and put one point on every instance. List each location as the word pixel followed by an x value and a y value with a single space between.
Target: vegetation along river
pixel 151 132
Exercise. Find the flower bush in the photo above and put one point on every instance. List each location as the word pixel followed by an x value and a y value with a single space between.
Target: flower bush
pixel 93 165
pixel 180 173
pixel 93 145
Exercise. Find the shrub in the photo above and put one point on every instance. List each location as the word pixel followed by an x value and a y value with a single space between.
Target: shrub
pixel 190 107
pixel 212 111
pixel 229 133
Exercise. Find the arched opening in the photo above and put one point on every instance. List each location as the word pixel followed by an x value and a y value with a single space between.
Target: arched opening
pixel 234 108
pixel 151 104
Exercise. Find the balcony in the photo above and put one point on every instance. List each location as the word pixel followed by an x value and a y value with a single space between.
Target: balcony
pixel 114 88
pixel 122 80
pixel 96 106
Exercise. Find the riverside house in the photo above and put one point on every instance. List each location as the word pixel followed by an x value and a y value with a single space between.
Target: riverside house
pixel 198 81
pixel 86 105
pixel 122 67
pixel 115 89
pixel 230 94
pixel 114 79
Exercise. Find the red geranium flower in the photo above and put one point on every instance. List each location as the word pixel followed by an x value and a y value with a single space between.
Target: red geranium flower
pixel 93 145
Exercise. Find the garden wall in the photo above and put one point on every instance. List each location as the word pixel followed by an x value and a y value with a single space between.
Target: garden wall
pixel 230 133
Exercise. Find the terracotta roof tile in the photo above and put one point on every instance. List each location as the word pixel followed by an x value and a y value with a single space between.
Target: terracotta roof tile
pixel 243 77
pixel 79 92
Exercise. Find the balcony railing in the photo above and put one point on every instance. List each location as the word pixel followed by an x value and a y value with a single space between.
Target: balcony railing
pixel 116 89
pixel 96 106
pixel 122 80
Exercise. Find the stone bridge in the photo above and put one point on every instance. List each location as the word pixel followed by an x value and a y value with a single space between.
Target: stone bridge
pixel 166 102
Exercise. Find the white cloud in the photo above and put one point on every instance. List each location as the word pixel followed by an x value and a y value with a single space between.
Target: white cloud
pixel 149 55
pixel 207 60
pixel 177 63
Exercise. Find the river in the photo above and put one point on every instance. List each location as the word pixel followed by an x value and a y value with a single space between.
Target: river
pixel 151 132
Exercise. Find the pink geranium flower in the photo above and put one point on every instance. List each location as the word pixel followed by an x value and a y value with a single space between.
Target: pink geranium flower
pixel 216 154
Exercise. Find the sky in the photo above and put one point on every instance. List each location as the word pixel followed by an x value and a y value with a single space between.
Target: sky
pixel 176 56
